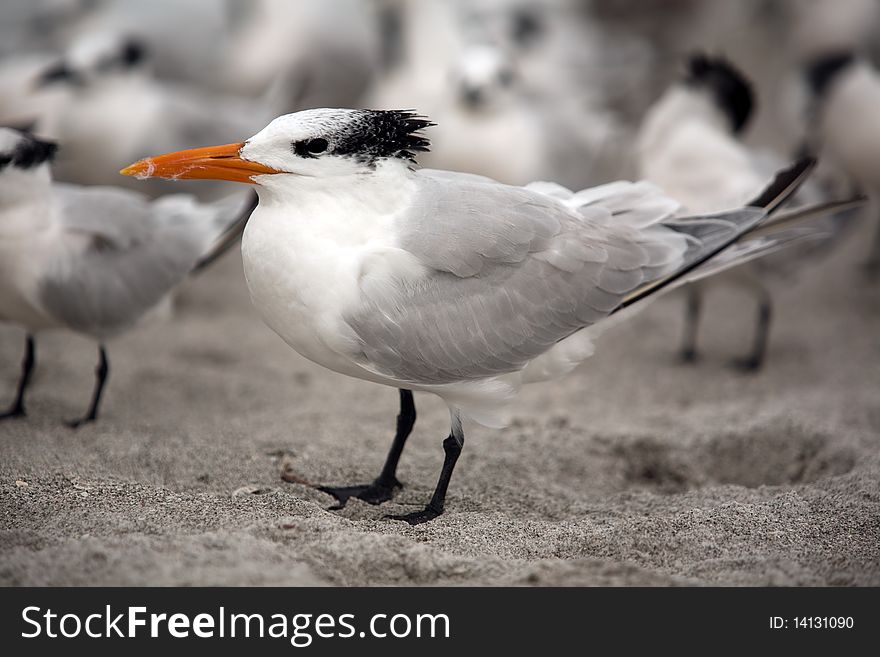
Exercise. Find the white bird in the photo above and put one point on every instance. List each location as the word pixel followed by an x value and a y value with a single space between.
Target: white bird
pixel 689 145
pixel 102 101
pixel 93 260
pixel 444 282
pixel 845 125
pixel 188 40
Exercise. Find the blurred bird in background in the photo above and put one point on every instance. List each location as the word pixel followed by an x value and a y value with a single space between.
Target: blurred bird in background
pixel 690 145
pixel 94 260
pixel 112 107
pixel 845 127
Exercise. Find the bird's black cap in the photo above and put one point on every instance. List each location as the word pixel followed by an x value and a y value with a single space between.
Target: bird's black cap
pixel 28 152
pixel 370 135
pixel 731 89
pixel 386 133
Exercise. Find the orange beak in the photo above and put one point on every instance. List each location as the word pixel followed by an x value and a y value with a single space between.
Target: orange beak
pixel 211 163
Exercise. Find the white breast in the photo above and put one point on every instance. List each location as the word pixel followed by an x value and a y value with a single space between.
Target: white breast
pixel 24 256
pixel 305 263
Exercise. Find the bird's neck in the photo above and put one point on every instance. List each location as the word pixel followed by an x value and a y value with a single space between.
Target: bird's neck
pixel 318 203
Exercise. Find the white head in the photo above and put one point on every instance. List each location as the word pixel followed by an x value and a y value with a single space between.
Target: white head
pixel 24 167
pixel 318 143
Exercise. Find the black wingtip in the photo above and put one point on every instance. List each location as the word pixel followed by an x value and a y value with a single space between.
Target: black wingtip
pixel 784 184
pixel 230 236
pixel 30 152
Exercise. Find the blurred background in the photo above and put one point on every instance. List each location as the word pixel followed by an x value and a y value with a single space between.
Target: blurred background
pixel 520 89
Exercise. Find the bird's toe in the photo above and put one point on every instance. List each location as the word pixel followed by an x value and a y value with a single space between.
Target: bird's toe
pixel 688 356
pixel 12 414
pixel 417 517
pixel 374 493
pixel 747 365
pixel 79 422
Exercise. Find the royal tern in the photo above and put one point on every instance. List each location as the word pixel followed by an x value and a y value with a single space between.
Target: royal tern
pixel 689 145
pixel 444 282
pixel 93 260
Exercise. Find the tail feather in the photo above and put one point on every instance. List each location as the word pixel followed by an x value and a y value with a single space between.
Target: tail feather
pixel 710 235
pixel 805 214
pixel 785 184
pixel 745 251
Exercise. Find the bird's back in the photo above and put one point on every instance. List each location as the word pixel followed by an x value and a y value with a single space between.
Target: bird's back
pixel 509 272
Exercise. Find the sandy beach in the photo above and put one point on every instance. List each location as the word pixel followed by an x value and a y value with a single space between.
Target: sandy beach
pixel 634 470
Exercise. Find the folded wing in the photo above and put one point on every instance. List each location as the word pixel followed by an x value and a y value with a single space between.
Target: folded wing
pixel 511 271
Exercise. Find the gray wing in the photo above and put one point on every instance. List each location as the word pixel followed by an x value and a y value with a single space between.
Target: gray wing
pixel 511 271
pixel 120 254
pixel 114 215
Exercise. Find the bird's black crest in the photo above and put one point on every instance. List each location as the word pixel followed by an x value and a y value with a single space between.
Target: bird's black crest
pixel 376 134
pixel 28 153
pixel 823 70
pixel 730 88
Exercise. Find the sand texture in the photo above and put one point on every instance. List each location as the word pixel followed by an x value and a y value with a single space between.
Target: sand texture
pixel 634 470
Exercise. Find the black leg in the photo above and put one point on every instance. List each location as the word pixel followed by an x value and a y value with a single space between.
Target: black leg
pixel 755 360
pixel 27 368
pixel 691 323
pixel 384 486
pixel 872 265
pixel 101 372
pixel 452 447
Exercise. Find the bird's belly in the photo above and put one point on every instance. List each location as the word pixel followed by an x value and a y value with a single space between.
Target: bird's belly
pixel 18 288
pixel 16 309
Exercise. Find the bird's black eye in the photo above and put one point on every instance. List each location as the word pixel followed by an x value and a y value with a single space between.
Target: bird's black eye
pixel 310 147
pixel 316 146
